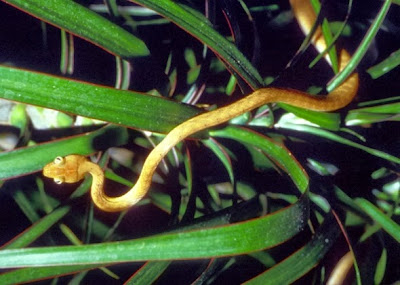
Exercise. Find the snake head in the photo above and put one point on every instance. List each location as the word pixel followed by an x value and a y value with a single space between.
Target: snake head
pixel 65 169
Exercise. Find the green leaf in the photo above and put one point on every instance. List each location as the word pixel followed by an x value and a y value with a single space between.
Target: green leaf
pixel 327 33
pixel 273 150
pixel 234 239
pixel 376 114
pixel 149 272
pixel 356 119
pixel 121 107
pixel 222 155
pixel 31 159
pixel 383 220
pixel 80 21
pixel 18 117
pixel 36 230
pixel 362 48
pixel 334 137
pixel 25 205
pixel 381 267
pixel 393 108
pixel 330 121
pixel 36 274
pixel 303 260
pixel 385 66
pixel 197 25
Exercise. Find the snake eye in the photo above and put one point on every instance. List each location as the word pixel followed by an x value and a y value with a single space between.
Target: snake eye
pixel 58 180
pixel 59 160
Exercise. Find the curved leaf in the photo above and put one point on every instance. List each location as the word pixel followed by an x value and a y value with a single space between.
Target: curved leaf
pixel 36 230
pixel 362 48
pixel 384 221
pixel 234 239
pixel 35 274
pixel 334 137
pixel 385 66
pixel 121 107
pixel 277 152
pixel 222 155
pixel 30 159
pixel 149 272
pixel 198 26
pixel 330 121
pixel 303 260
pixel 77 19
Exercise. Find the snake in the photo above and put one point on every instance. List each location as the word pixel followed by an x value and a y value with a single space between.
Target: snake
pixel 73 168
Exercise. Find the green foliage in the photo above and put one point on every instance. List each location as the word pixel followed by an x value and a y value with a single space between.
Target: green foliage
pixel 264 199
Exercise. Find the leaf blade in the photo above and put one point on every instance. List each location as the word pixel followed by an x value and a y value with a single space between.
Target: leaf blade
pixel 132 109
pixel 86 24
pixel 198 26
pixel 233 239
pixel 40 155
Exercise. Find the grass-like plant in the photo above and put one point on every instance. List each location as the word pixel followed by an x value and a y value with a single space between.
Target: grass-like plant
pixel 275 196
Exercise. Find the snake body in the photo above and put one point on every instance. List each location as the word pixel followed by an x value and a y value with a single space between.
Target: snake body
pixel 72 168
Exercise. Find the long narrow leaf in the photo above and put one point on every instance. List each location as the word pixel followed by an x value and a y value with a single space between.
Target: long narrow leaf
pixel 149 272
pixel 277 152
pixel 385 66
pixel 38 228
pixel 337 138
pixel 303 260
pixel 30 159
pixel 234 239
pixel 198 26
pixel 132 109
pixel 35 274
pixel 75 18
pixel 384 221
pixel 362 49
